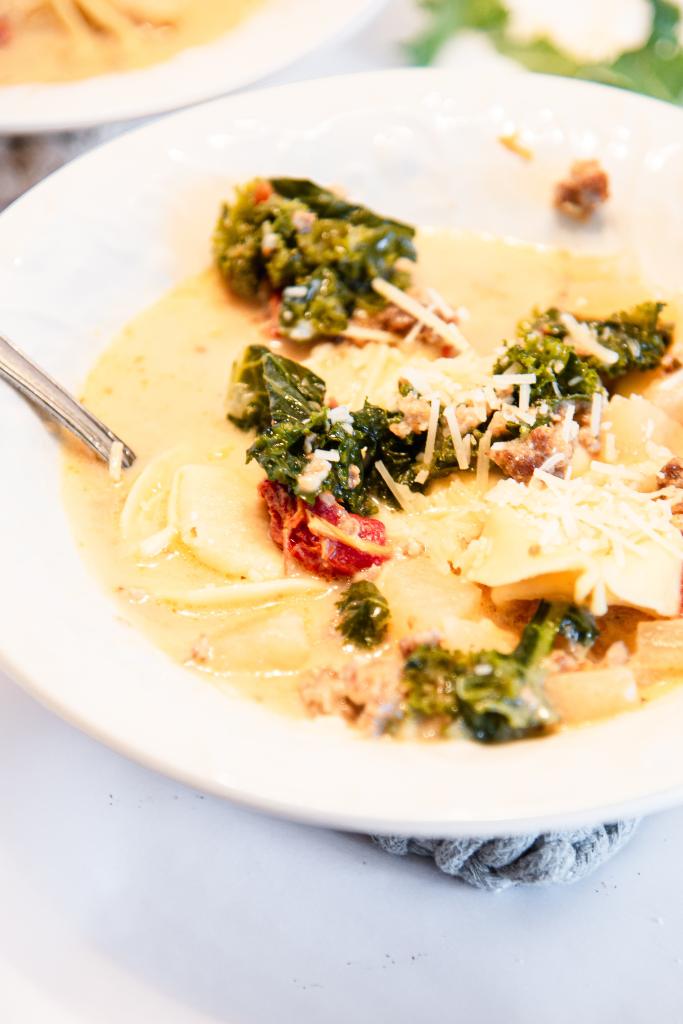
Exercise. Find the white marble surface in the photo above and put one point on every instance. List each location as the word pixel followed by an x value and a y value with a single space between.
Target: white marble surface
pixel 126 898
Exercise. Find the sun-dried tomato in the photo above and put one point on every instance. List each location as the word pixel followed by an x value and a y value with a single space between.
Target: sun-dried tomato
pixel 262 190
pixel 324 556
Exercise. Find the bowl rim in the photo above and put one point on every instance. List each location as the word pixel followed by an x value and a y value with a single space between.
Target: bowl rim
pixel 45 108
pixel 307 811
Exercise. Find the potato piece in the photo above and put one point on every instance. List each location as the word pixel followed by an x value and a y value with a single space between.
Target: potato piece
pixel 659 651
pixel 666 392
pixel 596 693
pixel 221 520
pixel 425 602
pixel 637 424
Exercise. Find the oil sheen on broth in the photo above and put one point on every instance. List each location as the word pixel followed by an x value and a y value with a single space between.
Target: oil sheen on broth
pixel 162 386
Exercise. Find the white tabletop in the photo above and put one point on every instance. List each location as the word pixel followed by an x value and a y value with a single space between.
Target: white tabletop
pixel 128 898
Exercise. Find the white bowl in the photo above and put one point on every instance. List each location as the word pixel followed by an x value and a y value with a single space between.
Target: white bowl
pixel 275 36
pixel 110 233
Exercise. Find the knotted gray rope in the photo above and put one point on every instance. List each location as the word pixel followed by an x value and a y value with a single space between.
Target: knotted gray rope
pixel 495 864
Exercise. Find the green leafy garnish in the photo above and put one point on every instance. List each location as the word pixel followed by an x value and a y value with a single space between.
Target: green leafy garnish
pixel 497 696
pixel 285 402
pixel 320 252
pixel 655 68
pixel 267 389
pixel 637 336
pixel 363 614
pixel 561 375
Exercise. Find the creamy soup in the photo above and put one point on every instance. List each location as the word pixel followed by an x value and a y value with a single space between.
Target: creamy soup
pixel 182 541
pixel 60 40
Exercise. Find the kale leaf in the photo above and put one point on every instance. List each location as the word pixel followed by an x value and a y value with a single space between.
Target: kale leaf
pixel 267 389
pixel 248 404
pixel 363 614
pixel 430 674
pixel 637 336
pixel 320 252
pixel 285 402
pixel 497 696
pixel 318 304
pixel 561 375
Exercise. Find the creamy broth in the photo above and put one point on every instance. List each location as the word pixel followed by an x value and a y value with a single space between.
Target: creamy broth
pixel 162 386
pixel 42 42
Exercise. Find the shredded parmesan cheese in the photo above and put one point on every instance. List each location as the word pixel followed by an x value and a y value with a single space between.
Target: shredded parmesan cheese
pixel 583 340
pixel 340 414
pixel 569 427
pixel 317 469
pixel 439 303
pixel 434 407
pixel 610 446
pixel 603 510
pixel 508 380
pixel 321 528
pixel 524 397
pixel 329 455
pixel 462 446
pixel 398 490
pixel 551 462
pixel 116 461
pixel 596 414
pixel 449 332
pixel 363 334
pixel 483 461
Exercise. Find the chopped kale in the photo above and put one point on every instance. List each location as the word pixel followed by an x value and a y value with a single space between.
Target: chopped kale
pixel 295 394
pixel 248 404
pixel 331 206
pixel 638 337
pixel 318 304
pixel 320 252
pixel 363 614
pixel 579 627
pixel 266 389
pixel 497 696
pixel 430 674
pixel 280 451
pixel 561 375
pixel 285 402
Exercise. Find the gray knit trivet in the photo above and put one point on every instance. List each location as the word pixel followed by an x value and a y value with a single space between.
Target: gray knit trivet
pixel 495 864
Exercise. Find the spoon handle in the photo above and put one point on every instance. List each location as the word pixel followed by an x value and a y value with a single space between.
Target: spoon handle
pixel 45 392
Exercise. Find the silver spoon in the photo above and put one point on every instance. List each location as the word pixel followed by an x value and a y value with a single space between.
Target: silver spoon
pixel 45 392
